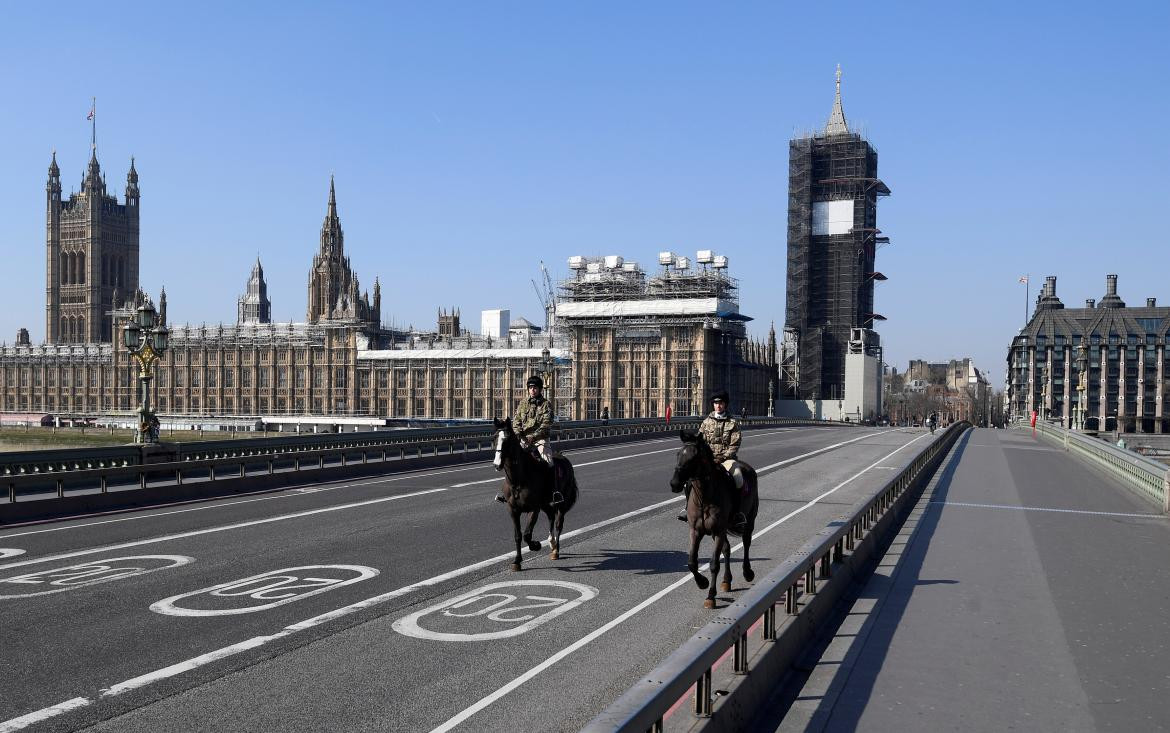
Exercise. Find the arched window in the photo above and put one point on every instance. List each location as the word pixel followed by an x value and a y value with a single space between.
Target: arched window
pixel 64 268
pixel 105 273
pixel 82 336
pixel 81 268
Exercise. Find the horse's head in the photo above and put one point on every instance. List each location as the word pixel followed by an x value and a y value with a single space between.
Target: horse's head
pixel 686 460
pixel 504 435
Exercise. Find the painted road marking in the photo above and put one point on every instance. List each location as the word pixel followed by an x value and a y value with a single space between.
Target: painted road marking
pixel 59 580
pixel 265 591
pixel 266 520
pixel 255 642
pixel 1047 509
pixel 414 474
pixel 9 552
pixel 492 603
pixel 602 630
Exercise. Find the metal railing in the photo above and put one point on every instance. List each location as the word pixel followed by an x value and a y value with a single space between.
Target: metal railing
pixel 1148 478
pixel 87 470
pixel 775 597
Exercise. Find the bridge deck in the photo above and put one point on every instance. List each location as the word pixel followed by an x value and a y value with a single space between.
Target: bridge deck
pixel 1025 592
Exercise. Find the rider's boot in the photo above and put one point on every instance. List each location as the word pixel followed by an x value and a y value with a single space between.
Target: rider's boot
pixel 739 522
pixel 500 498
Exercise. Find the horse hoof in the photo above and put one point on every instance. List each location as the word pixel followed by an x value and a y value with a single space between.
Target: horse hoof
pixel 555 555
pixel 533 545
pixel 515 566
pixel 748 575
pixel 725 587
pixel 709 603
pixel 701 582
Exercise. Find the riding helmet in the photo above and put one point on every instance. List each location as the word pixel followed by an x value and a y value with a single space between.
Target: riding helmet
pixel 536 381
pixel 721 395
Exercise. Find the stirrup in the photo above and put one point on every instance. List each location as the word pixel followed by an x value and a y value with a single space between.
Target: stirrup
pixel 557 498
pixel 500 498
pixel 682 516
pixel 739 520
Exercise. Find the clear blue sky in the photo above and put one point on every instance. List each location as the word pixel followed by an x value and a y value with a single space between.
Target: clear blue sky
pixel 471 140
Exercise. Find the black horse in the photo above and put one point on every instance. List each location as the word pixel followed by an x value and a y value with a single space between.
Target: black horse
pixel 715 507
pixel 529 487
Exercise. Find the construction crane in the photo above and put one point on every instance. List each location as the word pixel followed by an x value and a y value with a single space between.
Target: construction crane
pixel 546 295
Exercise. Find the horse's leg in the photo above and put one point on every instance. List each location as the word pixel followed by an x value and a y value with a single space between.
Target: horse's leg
pixel 725 586
pixel 748 575
pixel 516 532
pixel 554 543
pixel 557 534
pixel 534 546
pixel 693 559
pixel 720 540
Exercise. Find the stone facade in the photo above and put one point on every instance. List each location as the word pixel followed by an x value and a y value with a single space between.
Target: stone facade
pixel 1101 367
pixel 91 255
pixel 667 342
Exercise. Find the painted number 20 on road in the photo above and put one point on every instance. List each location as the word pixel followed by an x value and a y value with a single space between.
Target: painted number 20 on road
pixel 495 611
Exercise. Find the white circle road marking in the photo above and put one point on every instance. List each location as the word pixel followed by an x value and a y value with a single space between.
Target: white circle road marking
pixel 277 586
pixel 9 552
pixel 498 611
pixel 92 573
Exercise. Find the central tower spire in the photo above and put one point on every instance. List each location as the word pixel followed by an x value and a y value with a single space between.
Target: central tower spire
pixel 837 125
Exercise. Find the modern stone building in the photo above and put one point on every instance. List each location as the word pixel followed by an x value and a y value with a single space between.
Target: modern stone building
pixel 833 189
pixel 1100 367
pixel 666 341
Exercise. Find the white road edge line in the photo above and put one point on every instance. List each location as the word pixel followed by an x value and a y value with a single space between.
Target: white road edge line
pixel 602 630
pixel 266 520
pixel 257 641
pixel 293 491
pixel 1047 509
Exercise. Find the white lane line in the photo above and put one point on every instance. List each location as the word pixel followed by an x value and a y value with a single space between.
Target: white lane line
pixel 579 465
pixel 44 714
pixel 296 491
pixel 221 528
pixel 786 461
pixel 257 641
pixel 600 631
pixel 1046 509
pixel 214 656
pixel 293 491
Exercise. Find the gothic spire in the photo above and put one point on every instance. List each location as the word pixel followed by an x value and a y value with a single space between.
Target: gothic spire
pixel 837 125
pixel 54 171
pixel 132 181
pixel 331 235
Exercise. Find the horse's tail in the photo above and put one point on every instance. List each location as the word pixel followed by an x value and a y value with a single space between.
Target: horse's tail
pixel 569 489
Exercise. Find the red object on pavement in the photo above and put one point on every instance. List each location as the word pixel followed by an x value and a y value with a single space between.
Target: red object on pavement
pixel 668 414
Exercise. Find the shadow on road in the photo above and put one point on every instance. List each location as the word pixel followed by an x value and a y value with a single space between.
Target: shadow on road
pixel 642 562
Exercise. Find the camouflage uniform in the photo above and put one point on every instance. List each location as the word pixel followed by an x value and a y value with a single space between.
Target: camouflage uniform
pixel 533 424
pixel 721 433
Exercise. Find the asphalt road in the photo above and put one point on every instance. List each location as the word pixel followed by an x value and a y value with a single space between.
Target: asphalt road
pixel 386 603
pixel 1027 591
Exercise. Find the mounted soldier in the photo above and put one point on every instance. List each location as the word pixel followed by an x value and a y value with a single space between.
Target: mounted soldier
pixel 532 424
pixel 720 431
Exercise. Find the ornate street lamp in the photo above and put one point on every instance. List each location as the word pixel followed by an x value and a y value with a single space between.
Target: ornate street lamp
pixel 546 362
pixel 146 338
pixel 1082 382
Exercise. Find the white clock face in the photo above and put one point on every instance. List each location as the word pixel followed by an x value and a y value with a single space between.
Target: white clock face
pixel 832 217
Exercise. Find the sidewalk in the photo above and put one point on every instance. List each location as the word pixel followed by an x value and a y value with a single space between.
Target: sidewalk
pixel 1026 592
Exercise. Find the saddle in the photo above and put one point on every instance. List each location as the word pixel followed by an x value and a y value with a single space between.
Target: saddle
pixel 558 469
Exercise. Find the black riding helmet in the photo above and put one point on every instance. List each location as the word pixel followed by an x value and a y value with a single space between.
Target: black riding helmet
pixel 721 395
pixel 536 381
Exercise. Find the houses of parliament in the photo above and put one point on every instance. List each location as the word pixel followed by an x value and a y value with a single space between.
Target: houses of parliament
pixel 621 340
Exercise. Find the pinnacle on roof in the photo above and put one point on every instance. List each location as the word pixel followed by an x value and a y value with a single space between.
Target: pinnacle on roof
pixel 132 176
pixel 53 169
pixel 837 124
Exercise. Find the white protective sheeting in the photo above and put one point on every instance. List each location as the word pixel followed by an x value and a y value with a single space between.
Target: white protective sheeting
pixel 832 217
pixel 662 307
pixel 411 354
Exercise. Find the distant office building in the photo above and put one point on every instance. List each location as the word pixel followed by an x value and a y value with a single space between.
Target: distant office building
pixel 1101 367
pixel 833 188
pixel 494 323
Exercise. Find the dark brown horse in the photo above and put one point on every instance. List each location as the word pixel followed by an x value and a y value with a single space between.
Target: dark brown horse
pixel 528 487
pixel 715 508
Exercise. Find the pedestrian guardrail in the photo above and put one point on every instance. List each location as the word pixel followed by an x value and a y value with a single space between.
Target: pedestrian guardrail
pixel 1148 478
pixel 784 604
pixel 82 471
